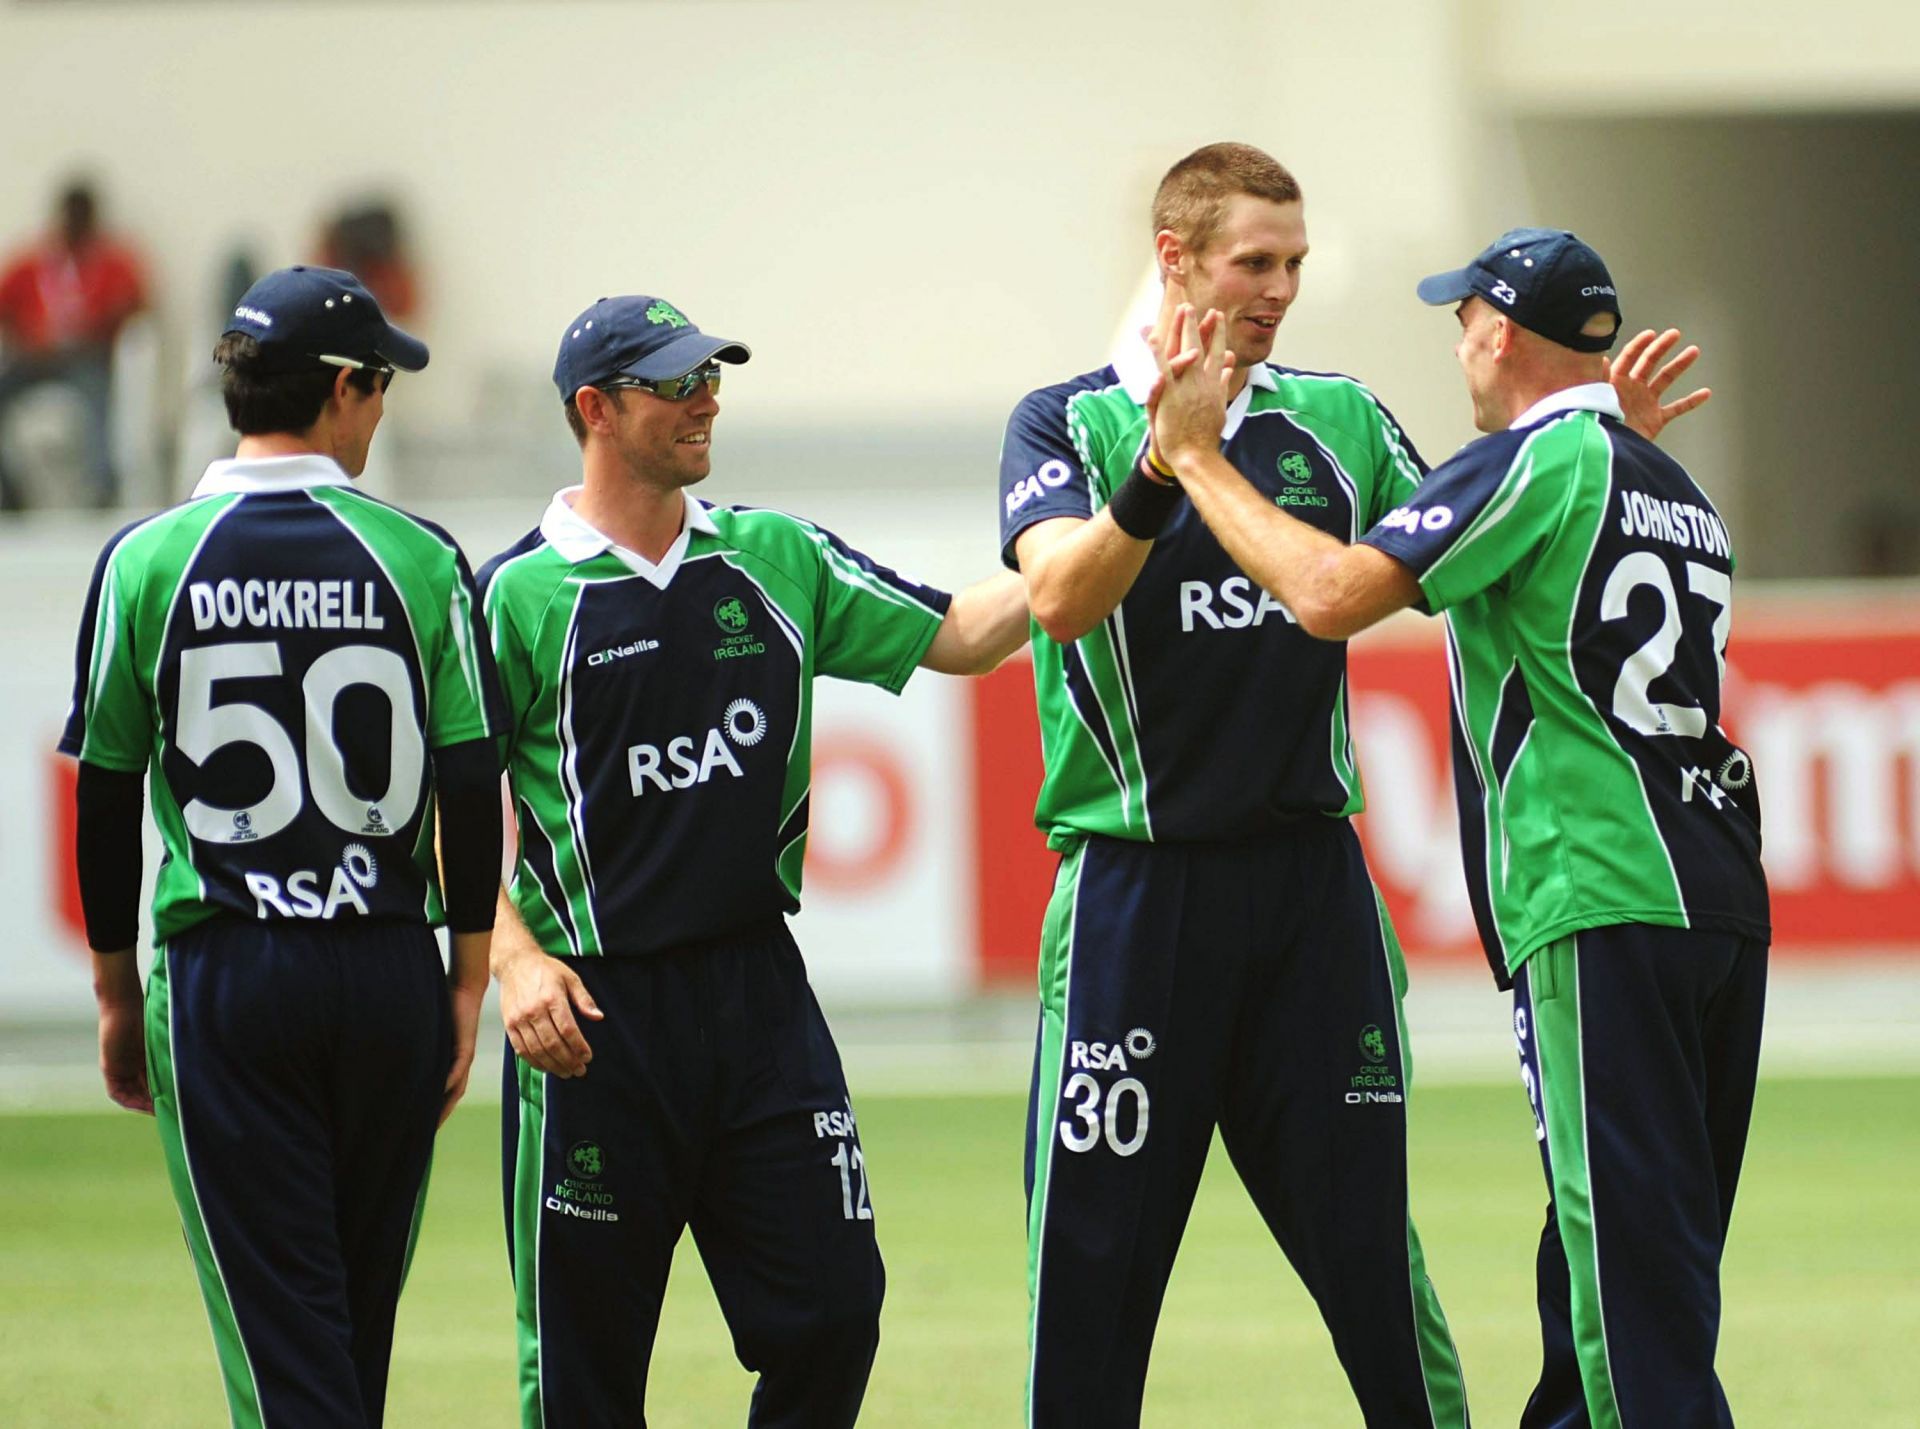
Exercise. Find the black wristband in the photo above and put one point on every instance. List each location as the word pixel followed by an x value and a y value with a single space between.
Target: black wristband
pixel 1143 503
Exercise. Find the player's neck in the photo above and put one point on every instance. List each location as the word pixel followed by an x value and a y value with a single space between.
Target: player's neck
pixel 644 518
pixel 265 446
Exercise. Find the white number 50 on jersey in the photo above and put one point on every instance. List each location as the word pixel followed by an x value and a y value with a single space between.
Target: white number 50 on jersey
pixel 203 728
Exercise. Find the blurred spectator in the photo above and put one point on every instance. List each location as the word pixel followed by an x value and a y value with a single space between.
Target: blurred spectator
pixel 367 241
pixel 62 303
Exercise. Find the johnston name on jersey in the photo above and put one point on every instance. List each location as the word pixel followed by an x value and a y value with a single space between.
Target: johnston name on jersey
pixel 1589 587
pixel 1199 709
pixel 282 653
pixel 660 717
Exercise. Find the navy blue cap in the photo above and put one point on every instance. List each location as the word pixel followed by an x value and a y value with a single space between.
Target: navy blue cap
pixel 1545 279
pixel 635 336
pixel 301 315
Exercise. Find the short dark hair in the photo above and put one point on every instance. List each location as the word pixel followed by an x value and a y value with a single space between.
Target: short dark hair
pixel 1192 198
pixel 260 402
pixel 576 423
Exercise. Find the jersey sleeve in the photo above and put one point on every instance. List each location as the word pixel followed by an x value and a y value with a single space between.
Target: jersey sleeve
pixel 110 722
pixel 872 624
pixel 1041 472
pixel 1477 518
pixel 1399 468
pixel 463 696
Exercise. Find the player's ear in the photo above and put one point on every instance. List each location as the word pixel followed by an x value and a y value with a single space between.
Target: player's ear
pixel 342 384
pixel 1502 336
pixel 1169 252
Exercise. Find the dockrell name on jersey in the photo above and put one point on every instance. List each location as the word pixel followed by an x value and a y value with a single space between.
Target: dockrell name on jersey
pixel 304 646
pixel 1589 586
pixel 1175 718
pixel 660 717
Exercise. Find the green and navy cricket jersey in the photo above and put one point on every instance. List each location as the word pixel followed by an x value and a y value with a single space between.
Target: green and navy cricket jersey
pixel 1199 709
pixel 282 652
pixel 1588 585
pixel 660 716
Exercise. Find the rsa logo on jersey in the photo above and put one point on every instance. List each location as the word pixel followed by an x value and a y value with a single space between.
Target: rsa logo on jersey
pixel 300 896
pixel 742 725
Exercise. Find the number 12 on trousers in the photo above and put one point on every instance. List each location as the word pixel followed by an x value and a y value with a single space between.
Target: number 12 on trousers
pixel 851 1163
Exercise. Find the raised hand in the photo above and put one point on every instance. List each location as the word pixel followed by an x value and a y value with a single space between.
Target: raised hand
pixel 1188 407
pixel 1640 380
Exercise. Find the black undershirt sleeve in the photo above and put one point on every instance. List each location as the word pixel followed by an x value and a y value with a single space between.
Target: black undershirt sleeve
pixel 466 779
pixel 107 854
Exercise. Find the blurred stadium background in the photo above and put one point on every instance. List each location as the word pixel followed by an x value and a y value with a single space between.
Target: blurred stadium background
pixel 915 216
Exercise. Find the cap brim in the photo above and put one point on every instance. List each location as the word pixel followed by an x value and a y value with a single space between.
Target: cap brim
pixel 1444 288
pixel 401 350
pixel 683 354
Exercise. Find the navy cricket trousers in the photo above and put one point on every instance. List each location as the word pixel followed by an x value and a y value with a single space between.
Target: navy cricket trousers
pixel 297 1075
pixel 1639 1047
pixel 1255 987
pixel 715 1100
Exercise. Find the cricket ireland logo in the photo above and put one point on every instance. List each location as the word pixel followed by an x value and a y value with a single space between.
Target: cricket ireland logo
pixel 1373 1043
pixel 1297 472
pixel 1375 1080
pixel 578 1194
pixel 665 312
pixel 733 618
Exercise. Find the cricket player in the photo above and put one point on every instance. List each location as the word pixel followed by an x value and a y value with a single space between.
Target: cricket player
pixel 658 655
pixel 1610 828
pixel 301 672
pixel 1214 952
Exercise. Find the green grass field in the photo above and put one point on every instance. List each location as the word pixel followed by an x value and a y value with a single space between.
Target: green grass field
pixel 100 1323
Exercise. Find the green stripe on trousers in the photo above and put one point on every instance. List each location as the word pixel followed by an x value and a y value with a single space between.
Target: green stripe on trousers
pixel 1056 956
pixel 236 1371
pixel 528 1171
pixel 1554 988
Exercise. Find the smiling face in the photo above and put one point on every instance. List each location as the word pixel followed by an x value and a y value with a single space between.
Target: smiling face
pixel 667 443
pixel 1249 270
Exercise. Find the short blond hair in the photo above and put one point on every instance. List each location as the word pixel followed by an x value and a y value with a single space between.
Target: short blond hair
pixel 1192 199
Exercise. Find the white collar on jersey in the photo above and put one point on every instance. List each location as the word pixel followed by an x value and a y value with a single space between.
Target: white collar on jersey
pixel 1587 397
pixel 569 533
pixel 272 473
pixel 1137 370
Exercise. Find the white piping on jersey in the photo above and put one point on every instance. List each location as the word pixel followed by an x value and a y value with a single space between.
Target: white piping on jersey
pixel 166 624
pixel 570 764
pixel 1119 775
pixel 264 476
pixel 419 654
pixel 83 705
pixel 1133 364
pixel 1586 397
pixel 1395 439
pixel 1457 685
pixel 1340 473
pixel 1130 701
pixel 577 539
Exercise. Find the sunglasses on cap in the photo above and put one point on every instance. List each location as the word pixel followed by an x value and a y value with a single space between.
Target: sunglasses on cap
pixel 380 369
pixel 671 389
